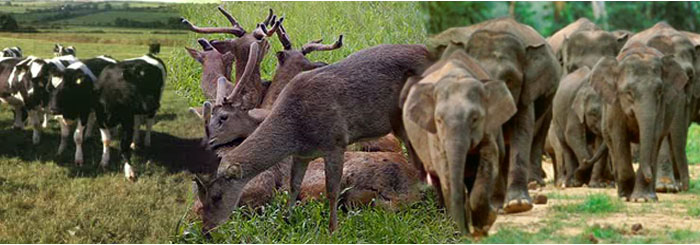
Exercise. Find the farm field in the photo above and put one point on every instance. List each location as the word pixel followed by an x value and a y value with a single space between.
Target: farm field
pixel 46 198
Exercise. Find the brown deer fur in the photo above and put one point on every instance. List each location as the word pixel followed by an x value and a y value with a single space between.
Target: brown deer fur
pixel 319 113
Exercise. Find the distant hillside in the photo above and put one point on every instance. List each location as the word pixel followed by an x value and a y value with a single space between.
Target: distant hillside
pixel 151 15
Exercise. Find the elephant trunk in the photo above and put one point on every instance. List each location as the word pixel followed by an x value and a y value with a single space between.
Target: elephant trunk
pixel 600 152
pixel 648 140
pixel 456 150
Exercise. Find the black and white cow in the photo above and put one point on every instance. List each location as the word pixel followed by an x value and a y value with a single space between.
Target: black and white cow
pixel 12 52
pixel 9 74
pixel 127 92
pixel 60 50
pixel 31 86
pixel 72 99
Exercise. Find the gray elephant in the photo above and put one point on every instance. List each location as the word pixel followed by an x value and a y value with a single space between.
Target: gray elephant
pixel 575 130
pixel 672 174
pixel 453 118
pixel 581 45
pixel 639 88
pixel 516 54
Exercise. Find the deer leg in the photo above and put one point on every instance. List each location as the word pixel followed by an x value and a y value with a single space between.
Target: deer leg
pixel 334 173
pixel 298 170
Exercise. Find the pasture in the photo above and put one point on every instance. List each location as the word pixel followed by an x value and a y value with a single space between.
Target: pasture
pixel 47 198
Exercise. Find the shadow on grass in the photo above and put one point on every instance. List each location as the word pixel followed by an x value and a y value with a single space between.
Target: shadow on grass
pixel 172 153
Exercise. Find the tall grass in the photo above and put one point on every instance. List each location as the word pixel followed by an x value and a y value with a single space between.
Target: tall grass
pixel 364 24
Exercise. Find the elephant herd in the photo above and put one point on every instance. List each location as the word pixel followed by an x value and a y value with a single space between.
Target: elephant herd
pixel 476 108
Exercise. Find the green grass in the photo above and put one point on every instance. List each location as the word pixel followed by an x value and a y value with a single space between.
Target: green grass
pixel 107 18
pixel 364 24
pixel 592 204
pixel 692 149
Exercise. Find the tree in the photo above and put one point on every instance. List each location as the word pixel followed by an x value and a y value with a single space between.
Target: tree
pixel 8 23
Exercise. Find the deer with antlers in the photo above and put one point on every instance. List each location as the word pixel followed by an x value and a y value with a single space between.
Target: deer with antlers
pixel 317 114
pixel 239 49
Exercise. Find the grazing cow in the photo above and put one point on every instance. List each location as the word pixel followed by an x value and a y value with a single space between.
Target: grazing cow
pixel 60 50
pixel 73 97
pixel 8 72
pixel 127 91
pixel 12 52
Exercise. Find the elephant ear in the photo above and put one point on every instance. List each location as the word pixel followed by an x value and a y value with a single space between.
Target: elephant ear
pixel 604 79
pixel 673 74
pixel 579 105
pixel 501 106
pixel 542 73
pixel 407 88
pixel 621 38
pixel 420 106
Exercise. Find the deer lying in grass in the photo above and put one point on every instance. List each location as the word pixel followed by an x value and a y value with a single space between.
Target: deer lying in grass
pixel 319 113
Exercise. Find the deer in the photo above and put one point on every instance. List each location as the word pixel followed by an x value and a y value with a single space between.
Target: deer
pixel 317 114
pixel 239 48
pixel 381 178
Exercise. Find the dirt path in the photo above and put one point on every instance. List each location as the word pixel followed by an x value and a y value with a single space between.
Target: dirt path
pixel 670 213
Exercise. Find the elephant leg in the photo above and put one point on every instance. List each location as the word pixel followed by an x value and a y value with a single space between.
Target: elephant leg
pixel 557 159
pixel 501 178
pixel 618 142
pixel 665 181
pixel 597 175
pixel 521 135
pixel 571 166
pixel 678 138
pixel 542 125
pixel 483 214
pixel 435 182
pixel 575 137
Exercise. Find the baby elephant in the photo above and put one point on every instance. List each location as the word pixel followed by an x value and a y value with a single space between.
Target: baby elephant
pixel 576 128
pixel 453 118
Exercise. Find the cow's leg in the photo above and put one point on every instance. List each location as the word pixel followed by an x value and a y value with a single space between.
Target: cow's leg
pixel 128 127
pixel 36 125
pixel 106 140
pixel 18 124
pixel 65 132
pixel 136 125
pixel 149 127
pixel 90 125
pixel 45 114
pixel 78 138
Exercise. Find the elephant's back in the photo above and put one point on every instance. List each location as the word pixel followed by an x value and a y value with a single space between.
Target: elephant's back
pixel 557 40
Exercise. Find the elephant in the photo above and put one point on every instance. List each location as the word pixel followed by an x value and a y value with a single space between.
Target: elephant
pixel 672 172
pixel 586 47
pixel 640 88
pixel 453 118
pixel 556 41
pixel 575 129
pixel 516 54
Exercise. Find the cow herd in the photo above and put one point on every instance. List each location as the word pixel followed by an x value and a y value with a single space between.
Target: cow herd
pixel 80 93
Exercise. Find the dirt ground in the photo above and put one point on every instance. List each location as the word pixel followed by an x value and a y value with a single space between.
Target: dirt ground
pixel 669 213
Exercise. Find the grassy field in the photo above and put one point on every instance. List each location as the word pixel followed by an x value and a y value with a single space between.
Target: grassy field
pixel 47 198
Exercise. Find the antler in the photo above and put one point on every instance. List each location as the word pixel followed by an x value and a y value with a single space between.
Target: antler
pixel 261 31
pixel 317 46
pixel 250 65
pixel 283 37
pixel 205 44
pixel 236 30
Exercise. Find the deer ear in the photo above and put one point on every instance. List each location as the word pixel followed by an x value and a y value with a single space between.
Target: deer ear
pixel 604 78
pixel 195 54
pixel 501 106
pixel 420 106
pixel 258 114
pixel 221 90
